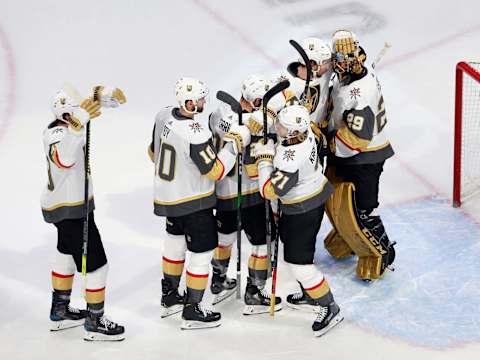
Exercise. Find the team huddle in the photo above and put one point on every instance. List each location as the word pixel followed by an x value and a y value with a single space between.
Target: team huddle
pixel 269 164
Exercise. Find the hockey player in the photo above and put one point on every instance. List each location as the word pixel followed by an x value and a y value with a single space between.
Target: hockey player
pixel 359 147
pixel 63 206
pixel 290 171
pixel 186 168
pixel 317 99
pixel 257 299
pixel 320 56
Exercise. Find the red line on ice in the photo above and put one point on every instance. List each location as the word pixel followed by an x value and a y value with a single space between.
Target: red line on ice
pixel 11 74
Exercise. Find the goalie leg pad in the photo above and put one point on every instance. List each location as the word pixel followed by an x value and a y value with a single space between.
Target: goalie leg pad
pixel 363 236
pixel 336 246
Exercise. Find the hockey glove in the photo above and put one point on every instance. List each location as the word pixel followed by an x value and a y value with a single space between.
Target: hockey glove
pixel 238 136
pixel 108 96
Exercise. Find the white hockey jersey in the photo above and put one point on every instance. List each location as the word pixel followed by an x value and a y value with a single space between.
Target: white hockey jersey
pixel 295 177
pixel 226 189
pixel 318 92
pixel 359 119
pixel 63 196
pixel 186 164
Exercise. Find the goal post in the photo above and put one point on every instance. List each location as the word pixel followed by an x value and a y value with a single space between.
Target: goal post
pixel 466 163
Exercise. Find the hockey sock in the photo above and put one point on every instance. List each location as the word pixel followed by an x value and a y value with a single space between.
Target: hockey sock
pixel 313 282
pixel 257 265
pixel 172 271
pixel 95 291
pixel 221 255
pixel 62 276
pixel 173 258
pixel 197 276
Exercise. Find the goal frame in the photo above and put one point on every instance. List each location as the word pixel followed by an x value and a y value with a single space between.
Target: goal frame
pixel 461 68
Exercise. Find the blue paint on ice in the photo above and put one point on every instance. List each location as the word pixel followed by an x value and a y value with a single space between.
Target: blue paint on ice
pixel 433 297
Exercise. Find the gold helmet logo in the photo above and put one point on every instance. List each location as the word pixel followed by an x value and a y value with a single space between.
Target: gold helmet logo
pixel 267 87
pixel 189 87
pixel 299 120
pixel 311 46
pixel 63 101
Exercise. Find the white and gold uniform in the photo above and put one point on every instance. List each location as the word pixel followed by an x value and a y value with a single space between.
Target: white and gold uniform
pixel 317 100
pixel 226 189
pixel 359 120
pixel 63 196
pixel 295 177
pixel 183 152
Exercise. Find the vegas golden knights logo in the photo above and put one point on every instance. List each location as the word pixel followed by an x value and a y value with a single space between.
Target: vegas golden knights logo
pixel 189 87
pixel 314 98
pixel 311 46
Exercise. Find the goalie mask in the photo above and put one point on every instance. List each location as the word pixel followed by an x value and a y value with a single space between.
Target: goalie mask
pixel 189 89
pixel 293 123
pixel 63 104
pixel 348 56
pixel 254 88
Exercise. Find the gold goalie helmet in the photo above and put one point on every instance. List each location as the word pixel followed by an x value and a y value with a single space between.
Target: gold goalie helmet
pixel 348 56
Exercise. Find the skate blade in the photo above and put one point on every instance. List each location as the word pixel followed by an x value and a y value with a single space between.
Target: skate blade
pixel 196 325
pixel 223 295
pixel 175 309
pixel 335 321
pixel 65 324
pixel 95 336
pixel 259 309
pixel 305 308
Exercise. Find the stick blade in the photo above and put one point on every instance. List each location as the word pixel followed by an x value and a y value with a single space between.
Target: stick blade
pixel 230 100
pixel 72 92
pixel 282 85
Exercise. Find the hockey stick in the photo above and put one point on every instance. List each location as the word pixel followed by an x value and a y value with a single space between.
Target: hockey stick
pixel 266 98
pixel 75 95
pixel 236 107
pixel 303 54
pixel 381 54
pixel 274 273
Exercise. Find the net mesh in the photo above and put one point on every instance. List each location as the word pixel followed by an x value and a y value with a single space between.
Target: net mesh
pixel 470 163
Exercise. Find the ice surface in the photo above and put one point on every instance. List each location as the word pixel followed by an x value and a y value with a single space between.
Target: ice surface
pixel 426 309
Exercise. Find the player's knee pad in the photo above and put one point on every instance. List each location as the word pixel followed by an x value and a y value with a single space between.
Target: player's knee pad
pixel 174 247
pixel 199 263
pixel 97 279
pixel 64 264
pixel 365 235
pixel 226 240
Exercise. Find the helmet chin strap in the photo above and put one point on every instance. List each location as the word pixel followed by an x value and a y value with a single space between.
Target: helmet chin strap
pixel 195 110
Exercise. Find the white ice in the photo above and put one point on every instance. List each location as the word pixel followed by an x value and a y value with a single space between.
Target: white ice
pixel 426 309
